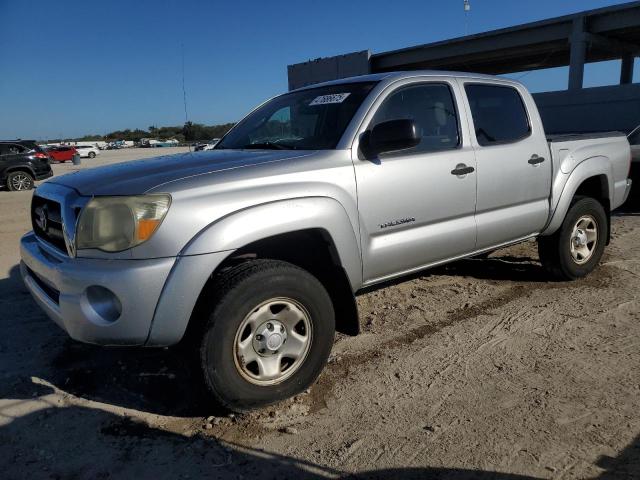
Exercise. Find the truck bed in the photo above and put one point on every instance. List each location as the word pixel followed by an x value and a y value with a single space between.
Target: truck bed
pixel 569 150
pixel 568 137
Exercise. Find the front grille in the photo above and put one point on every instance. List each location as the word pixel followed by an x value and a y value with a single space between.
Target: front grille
pixel 48 214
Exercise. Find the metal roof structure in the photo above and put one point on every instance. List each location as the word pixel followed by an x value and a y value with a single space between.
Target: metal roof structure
pixel 591 36
pixel 608 33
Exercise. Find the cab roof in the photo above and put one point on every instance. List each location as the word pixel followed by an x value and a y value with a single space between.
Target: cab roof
pixel 392 76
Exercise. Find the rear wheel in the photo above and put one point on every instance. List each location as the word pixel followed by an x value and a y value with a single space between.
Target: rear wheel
pixel 268 336
pixel 17 181
pixel 577 247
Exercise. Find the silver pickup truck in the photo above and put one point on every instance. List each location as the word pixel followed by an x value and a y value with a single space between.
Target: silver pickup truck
pixel 252 253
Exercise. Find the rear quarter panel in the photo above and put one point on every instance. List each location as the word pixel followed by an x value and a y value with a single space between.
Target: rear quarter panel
pixel 577 160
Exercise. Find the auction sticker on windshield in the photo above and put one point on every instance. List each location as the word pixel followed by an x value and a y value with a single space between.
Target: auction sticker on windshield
pixel 333 98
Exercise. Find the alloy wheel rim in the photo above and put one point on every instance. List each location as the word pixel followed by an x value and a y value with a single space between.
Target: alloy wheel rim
pixel 21 182
pixel 584 239
pixel 273 341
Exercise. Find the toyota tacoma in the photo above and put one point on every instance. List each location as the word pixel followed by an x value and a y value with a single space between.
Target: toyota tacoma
pixel 253 252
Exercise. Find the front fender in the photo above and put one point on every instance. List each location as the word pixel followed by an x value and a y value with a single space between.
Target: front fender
pixel 216 242
pixel 566 185
pixel 262 221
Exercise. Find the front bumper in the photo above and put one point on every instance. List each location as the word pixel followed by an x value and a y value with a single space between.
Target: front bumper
pixel 107 302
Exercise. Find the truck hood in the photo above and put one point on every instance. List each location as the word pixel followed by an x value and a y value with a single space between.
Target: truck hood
pixel 140 176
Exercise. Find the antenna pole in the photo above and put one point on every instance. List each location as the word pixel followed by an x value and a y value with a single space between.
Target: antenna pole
pixel 184 91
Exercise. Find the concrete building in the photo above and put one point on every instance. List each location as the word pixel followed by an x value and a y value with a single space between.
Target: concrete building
pixel 611 33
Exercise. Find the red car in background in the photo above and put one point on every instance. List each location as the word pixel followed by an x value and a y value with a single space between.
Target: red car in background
pixel 62 153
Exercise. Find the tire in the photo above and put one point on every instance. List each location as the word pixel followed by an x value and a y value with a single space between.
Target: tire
pixel 19 181
pixel 243 350
pixel 562 254
pixel 92 155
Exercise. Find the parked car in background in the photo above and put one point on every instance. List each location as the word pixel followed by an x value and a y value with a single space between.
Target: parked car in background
pixel 21 164
pixel 253 252
pixel 115 145
pixel 207 145
pixel 164 143
pixel 62 153
pixel 212 143
pixel 87 152
pixel 155 143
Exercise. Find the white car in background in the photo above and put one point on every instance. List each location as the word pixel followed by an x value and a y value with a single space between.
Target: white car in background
pixel 207 146
pixel 87 151
pixel 212 143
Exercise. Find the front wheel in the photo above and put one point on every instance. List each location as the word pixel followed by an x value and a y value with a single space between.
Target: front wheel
pixel 577 247
pixel 268 336
pixel 92 155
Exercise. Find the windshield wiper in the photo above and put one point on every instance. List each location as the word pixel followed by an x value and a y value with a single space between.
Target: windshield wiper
pixel 269 146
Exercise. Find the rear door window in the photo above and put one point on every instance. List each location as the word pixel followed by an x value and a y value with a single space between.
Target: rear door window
pixel 499 114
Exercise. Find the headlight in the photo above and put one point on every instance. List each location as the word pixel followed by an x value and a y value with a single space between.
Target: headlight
pixel 114 224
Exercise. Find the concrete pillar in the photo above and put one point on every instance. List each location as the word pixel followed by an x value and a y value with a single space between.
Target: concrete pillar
pixel 626 70
pixel 578 54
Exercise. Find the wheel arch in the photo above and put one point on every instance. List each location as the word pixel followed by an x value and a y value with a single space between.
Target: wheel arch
pixel 314 233
pixel 311 249
pixel 20 168
pixel 591 178
pixel 256 223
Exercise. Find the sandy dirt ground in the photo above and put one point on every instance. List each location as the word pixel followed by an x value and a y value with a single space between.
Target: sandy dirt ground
pixel 481 369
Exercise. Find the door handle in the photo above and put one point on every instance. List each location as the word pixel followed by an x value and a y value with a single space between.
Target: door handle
pixel 535 159
pixel 462 169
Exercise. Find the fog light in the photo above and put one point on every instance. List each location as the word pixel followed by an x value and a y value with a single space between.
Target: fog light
pixel 104 303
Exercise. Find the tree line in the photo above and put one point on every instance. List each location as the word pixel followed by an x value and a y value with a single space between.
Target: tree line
pixel 189 132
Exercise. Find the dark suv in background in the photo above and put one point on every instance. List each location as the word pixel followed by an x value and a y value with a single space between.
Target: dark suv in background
pixel 22 162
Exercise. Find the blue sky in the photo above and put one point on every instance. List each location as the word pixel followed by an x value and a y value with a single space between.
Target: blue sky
pixel 75 67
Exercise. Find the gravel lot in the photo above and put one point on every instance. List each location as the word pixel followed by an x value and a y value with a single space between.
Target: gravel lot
pixel 480 369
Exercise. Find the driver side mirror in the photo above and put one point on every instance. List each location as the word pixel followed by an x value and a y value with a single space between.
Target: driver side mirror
pixel 393 135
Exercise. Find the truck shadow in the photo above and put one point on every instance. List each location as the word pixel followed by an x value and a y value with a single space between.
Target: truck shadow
pixel 159 381
pixel 499 267
pixel 632 206
pixel 57 441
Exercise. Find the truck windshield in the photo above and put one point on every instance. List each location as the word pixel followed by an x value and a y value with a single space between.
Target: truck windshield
pixel 312 119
